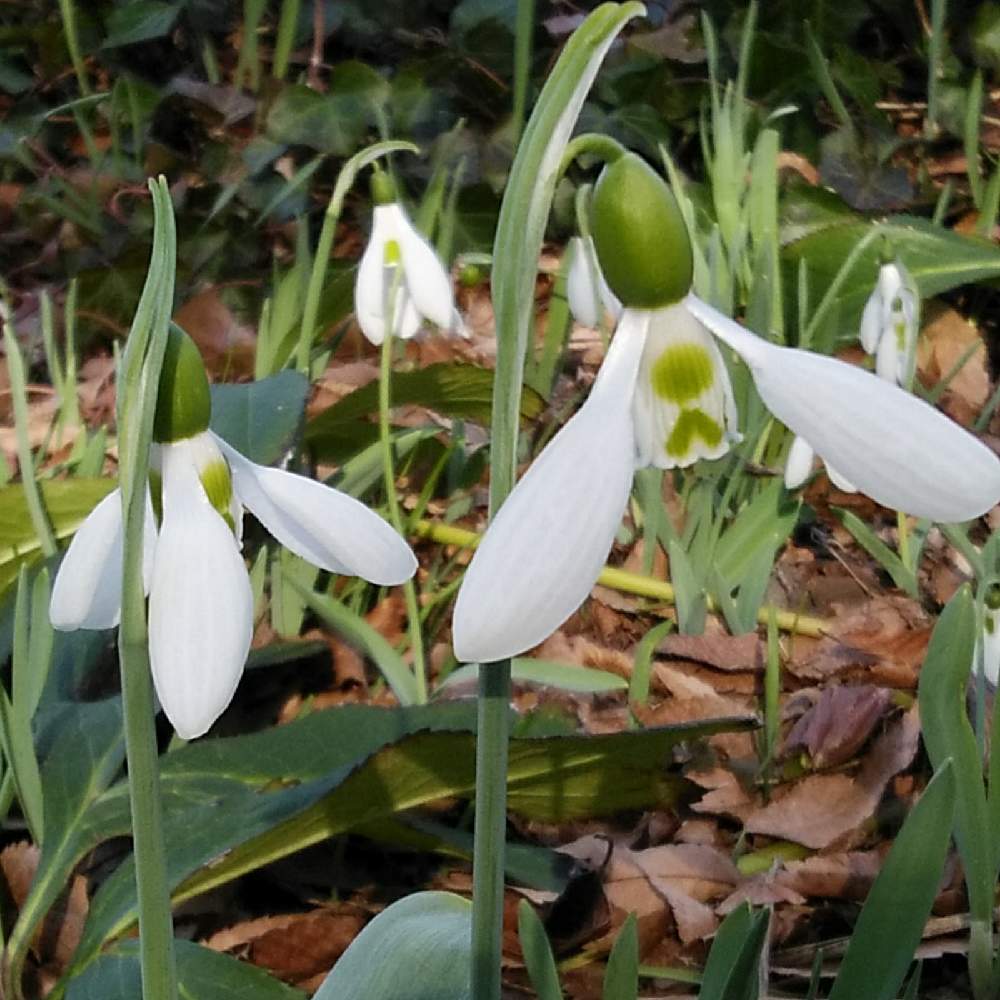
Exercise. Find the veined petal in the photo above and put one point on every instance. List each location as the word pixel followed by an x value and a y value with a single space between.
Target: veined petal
pixel 798 465
pixel 87 592
pixel 427 281
pixel 328 528
pixel 548 542
pixel 683 407
pixel 369 286
pixel 200 602
pixel 896 448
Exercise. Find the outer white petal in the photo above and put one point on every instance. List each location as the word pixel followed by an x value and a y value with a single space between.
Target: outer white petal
pixel 200 603
pixel 369 286
pixel 798 465
pixel 889 444
pixel 548 542
pixel 406 319
pixel 871 323
pixel 842 484
pixel 87 592
pixel 327 527
pixel 429 284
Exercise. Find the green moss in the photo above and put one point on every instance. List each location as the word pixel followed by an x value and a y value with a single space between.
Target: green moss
pixel 692 424
pixel 682 373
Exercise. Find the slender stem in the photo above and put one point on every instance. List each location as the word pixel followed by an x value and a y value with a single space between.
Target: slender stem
pixel 903 531
pixel 632 583
pixel 523 37
pixel 68 12
pixel 492 737
pixel 392 498
pixel 32 494
pixel 287 23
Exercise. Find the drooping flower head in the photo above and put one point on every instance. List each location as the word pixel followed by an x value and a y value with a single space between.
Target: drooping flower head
pixel 400 275
pixel 200 602
pixel 663 397
pixel 890 323
pixel 990 638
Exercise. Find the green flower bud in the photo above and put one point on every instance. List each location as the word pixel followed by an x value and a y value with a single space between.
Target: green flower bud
pixel 183 403
pixel 470 275
pixel 641 240
pixel 383 189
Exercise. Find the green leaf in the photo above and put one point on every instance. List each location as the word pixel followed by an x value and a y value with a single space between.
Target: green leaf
pixel 260 419
pixel 731 972
pixel 454 390
pixel 233 805
pixel 762 526
pixel 948 735
pixel 201 973
pixel 85 757
pixel 329 123
pixel 416 949
pixel 901 574
pixel 67 502
pixel 538 957
pixel 938 259
pixel 140 21
pixel 567 676
pixel 621 979
pixel 891 923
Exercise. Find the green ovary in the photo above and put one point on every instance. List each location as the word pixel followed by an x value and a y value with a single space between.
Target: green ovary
pixel 682 373
pixel 393 256
pixel 692 424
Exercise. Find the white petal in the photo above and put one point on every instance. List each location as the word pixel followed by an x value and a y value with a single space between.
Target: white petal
pixel 581 294
pixel 328 528
pixel 200 603
pixel 991 646
pixel 369 286
pixel 839 481
pixel 798 465
pixel 406 319
pixel 889 444
pixel 683 406
pixel 87 592
pixel 888 359
pixel 429 284
pixel 548 542
pixel 871 323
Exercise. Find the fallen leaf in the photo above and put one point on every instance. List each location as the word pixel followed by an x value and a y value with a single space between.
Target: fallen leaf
pixel 839 723
pixel 724 652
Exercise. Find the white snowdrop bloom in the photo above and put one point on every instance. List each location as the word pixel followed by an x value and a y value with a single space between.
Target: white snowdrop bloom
pixel 200 601
pixel 989 639
pixel 890 323
pixel 587 292
pixel 400 275
pixel 662 397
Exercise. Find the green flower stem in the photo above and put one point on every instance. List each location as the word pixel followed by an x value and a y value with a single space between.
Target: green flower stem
pixel 141 364
pixel 314 290
pixel 67 11
pixel 603 147
pixel 903 531
pixel 632 583
pixel 523 37
pixel 18 388
pixel 492 739
pixel 392 498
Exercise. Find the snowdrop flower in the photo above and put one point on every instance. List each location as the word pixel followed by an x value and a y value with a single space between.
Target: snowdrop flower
pixel 663 397
pixel 587 292
pixel 890 323
pixel 400 275
pixel 200 602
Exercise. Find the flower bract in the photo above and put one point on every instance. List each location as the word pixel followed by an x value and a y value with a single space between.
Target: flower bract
pixel 890 323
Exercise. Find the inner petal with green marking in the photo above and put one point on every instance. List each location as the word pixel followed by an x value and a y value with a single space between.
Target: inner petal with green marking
pixel 218 484
pixel 683 372
pixel 692 424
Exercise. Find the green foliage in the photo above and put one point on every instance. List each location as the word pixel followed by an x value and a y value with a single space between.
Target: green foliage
pixel 732 970
pixel 416 949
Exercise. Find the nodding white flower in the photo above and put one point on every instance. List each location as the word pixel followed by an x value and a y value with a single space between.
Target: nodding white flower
pixel 890 323
pixel 662 397
pixel 989 640
pixel 400 275
pixel 587 292
pixel 799 463
pixel 200 602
